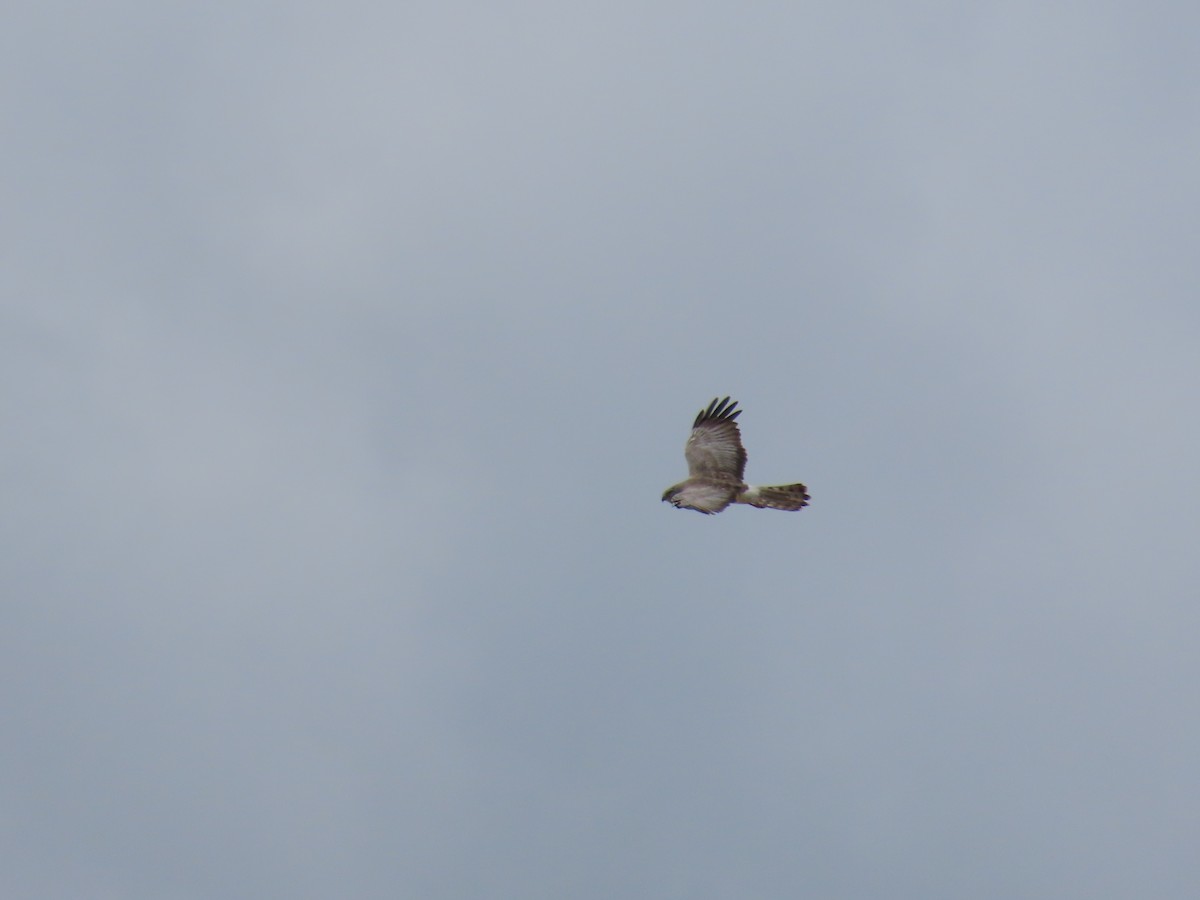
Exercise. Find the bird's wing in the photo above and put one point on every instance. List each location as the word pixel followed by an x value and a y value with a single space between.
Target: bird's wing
pixel 715 446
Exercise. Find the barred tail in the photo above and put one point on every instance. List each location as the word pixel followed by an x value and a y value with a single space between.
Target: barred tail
pixel 788 496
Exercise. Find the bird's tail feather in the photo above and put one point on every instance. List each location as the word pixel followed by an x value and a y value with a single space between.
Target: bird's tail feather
pixel 788 497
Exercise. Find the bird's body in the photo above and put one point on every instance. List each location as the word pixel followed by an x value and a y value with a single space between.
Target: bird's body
pixel 716 462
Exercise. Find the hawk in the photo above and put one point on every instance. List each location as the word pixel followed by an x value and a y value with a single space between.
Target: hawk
pixel 716 460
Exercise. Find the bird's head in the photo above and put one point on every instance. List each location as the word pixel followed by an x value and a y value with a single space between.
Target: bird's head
pixel 670 493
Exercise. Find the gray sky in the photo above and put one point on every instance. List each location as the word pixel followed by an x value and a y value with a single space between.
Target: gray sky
pixel 347 350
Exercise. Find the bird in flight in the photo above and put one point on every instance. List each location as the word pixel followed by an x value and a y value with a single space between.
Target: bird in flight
pixel 716 460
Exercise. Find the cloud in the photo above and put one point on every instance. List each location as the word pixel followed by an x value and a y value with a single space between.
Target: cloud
pixel 349 354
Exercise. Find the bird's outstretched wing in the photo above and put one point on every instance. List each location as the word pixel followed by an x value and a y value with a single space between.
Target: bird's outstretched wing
pixel 715 446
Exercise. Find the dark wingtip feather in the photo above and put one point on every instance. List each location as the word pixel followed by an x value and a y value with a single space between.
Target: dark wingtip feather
pixel 718 409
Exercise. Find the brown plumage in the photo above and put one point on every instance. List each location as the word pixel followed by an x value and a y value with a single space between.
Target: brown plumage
pixel 716 463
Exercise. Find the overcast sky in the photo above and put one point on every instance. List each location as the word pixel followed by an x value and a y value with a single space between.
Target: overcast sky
pixel 347 349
